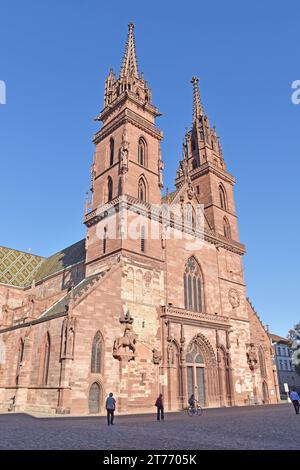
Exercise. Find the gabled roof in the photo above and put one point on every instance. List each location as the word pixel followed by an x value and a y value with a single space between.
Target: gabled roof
pixel 62 259
pixel 279 339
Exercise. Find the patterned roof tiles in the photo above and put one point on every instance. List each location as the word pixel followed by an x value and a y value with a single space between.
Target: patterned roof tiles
pixel 19 268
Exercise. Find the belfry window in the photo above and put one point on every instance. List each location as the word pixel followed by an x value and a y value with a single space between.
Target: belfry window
pixel 109 188
pixel 142 152
pixel 226 228
pixel 97 353
pixel 111 151
pixel 142 190
pixel 193 286
pixel 223 198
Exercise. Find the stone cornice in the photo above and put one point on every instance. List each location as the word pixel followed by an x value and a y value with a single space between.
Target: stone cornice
pixel 208 167
pixel 178 315
pixel 127 115
pixel 145 209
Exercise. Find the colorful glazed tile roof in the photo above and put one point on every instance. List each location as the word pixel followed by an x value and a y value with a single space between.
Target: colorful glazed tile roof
pixel 19 269
pixel 171 196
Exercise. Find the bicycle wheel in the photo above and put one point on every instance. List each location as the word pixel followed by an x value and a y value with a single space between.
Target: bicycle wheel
pixel 190 411
pixel 199 411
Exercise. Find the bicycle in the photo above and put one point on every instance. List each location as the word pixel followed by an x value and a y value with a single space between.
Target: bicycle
pixel 194 410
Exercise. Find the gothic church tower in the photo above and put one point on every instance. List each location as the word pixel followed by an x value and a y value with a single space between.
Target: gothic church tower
pixel 207 171
pixel 127 159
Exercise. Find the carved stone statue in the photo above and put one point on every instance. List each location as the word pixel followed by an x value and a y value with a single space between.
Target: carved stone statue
pixel 190 191
pixel 252 357
pixel 156 356
pixel 171 353
pixel 124 346
pixel 124 152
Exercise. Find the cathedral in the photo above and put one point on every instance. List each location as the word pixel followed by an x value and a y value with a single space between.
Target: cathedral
pixel 153 300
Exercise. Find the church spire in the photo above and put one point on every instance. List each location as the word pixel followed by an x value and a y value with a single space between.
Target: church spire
pixel 129 65
pixel 197 105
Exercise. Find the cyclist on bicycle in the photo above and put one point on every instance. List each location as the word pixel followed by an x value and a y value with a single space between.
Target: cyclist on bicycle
pixel 192 401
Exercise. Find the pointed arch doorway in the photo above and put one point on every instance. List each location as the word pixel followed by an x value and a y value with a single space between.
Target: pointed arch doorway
pixel 95 398
pixel 201 372
pixel 195 373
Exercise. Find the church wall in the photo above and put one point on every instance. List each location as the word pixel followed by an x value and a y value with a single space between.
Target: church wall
pixel 260 338
pixel 32 394
pixel 242 377
pixel 100 311
pixel 11 295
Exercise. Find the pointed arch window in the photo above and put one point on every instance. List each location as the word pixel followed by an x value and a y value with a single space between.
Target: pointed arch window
pixel 120 187
pixel 143 239
pixel 111 151
pixel 109 188
pixel 189 216
pixel 226 228
pixel 262 363
pixel 20 360
pixel 104 240
pixel 97 354
pixel 223 197
pixel 46 360
pixel 193 286
pixel 142 152
pixel 142 196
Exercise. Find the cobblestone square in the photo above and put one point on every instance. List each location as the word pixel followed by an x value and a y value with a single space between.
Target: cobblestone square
pixel 261 427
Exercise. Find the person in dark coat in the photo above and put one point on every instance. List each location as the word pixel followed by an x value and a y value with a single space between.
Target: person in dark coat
pixel 110 408
pixel 160 407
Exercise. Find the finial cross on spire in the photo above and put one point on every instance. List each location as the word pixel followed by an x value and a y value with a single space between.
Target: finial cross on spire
pixel 197 105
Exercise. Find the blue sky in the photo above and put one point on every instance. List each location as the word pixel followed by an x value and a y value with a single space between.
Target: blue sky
pixel 54 58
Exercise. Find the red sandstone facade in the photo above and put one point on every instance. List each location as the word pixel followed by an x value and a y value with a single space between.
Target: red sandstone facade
pixel 138 316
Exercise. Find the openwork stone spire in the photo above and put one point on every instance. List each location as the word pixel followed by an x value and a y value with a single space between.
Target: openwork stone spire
pixel 129 84
pixel 129 65
pixel 197 105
